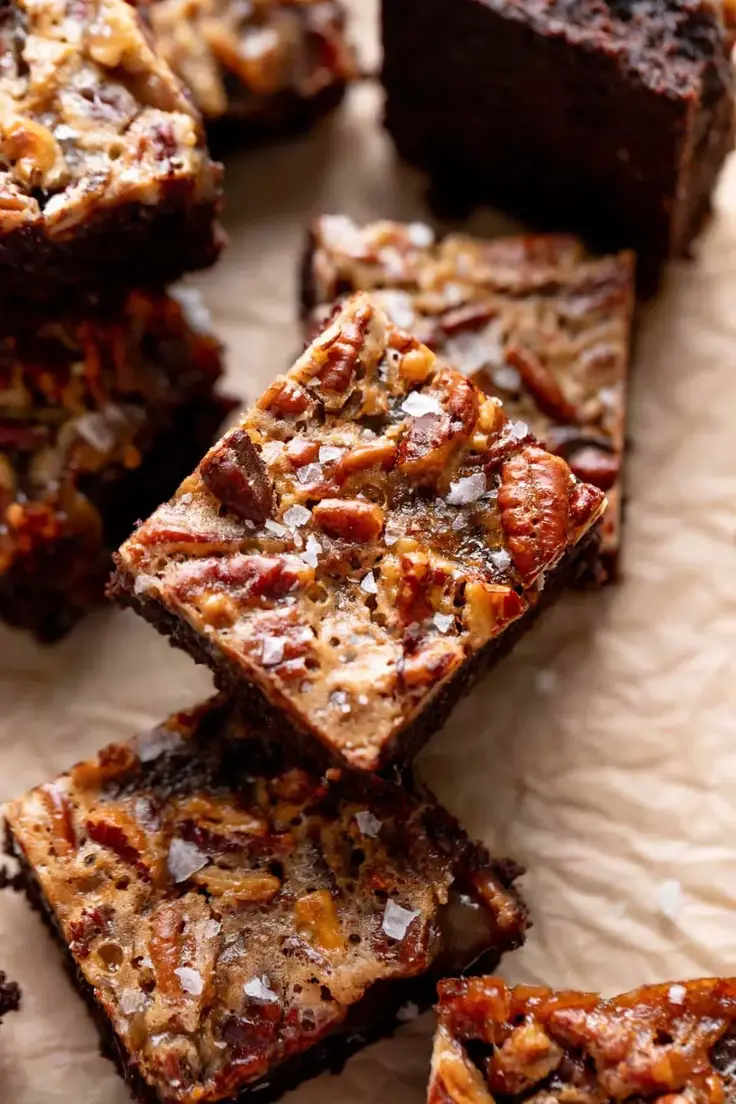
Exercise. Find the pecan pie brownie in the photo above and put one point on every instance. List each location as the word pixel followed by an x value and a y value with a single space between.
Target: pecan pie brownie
pixel 610 118
pixel 267 66
pixel 673 1043
pixel 372 531
pixel 9 996
pixel 237 924
pixel 533 319
pixel 100 416
pixel 104 171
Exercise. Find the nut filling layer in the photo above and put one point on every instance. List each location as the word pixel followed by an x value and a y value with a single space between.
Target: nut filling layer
pixel 533 320
pixel 674 1043
pixel 370 525
pixel 229 910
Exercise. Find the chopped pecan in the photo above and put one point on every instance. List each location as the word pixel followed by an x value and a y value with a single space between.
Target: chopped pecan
pixel 349 518
pixel 317 920
pixel 235 474
pixel 585 502
pixel 430 663
pixel 597 466
pixel 454 1078
pixel 300 452
pixel 489 608
pixel 375 454
pixel 527 1056
pixel 541 384
pixel 92 922
pixel 237 885
pixel 251 577
pixel 470 317
pixel 339 351
pixel 182 949
pixel 113 828
pixel 430 440
pixel 285 397
pixel 534 501
pixel 61 817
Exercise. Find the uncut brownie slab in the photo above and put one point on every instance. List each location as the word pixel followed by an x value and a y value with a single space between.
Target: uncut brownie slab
pixel 609 118
pixel 265 67
pixel 100 416
pixel 371 532
pixel 534 319
pixel 673 1042
pixel 103 163
pixel 238 924
pixel 9 996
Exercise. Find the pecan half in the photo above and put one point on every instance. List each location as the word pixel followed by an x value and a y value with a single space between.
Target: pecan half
pixel 375 454
pixel 340 349
pixel 349 518
pixel 596 466
pixel 534 502
pixel 541 384
pixel 235 474
pixel 250 577
pixel 488 609
pixel 430 440
pixel 284 397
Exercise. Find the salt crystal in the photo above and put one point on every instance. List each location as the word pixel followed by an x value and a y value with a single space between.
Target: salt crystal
pixel 275 528
pixel 190 980
pixel 260 990
pixel 501 559
pixel 311 552
pixel 458 522
pixel 185 859
pixel 95 428
pixel 670 898
pixel 329 452
pixel 144 585
pixel 407 1012
pixel 467 490
pixel 545 681
pixel 396 919
pixel 368 584
pixel 55 204
pixel 310 473
pixel 297 515
pixel 149 745
pixel 132 1001
pixel 676 994
pixel 259 41
pixel 185 499
pixel 506 377
pixel 420 235
pixel 398 306
pixel 369 824
pixel 212 928
pixel 417 404
pixel 147 962
pixel 63 132
pixel 390 536
pixel 519 430
pixel 443 621
pixel 197 316
pixel 273 651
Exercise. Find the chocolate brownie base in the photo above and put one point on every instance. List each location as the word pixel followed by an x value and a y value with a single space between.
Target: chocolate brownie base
pixel 134 245
pixel 625 115
pixel 287 115
pixel 9 996
pixel 581 566
pixel 49 590
pixel 328 1056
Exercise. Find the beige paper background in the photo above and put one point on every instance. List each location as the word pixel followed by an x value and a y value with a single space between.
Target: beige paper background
pixel 602 754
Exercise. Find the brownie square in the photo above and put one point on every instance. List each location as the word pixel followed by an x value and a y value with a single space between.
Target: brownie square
pixel 103 164
pixel 674 1041
pixel 9 996
pixel 534 320
pixel 371 533
pixel 100 416
pixel 238 924
pixel 257 71
pixel 608 118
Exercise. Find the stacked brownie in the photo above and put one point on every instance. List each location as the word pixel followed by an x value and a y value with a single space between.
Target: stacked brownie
pixel 107 382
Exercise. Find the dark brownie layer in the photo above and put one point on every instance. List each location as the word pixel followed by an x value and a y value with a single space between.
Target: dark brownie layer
pixel 9 996
pixel 624 111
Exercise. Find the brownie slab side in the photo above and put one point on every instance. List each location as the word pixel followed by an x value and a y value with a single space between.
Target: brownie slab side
pixel 533 319
pixel 624 115
pixel 204 913
pixel 675 1039
pixel 347 549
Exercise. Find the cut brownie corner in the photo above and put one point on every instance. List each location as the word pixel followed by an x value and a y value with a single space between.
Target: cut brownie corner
pixel 238 924
pixel 533 319
pixel 130 188
pixel 674 1041
pixel 257 72
pixel 101 415
pixel 9 996
pixel 371 534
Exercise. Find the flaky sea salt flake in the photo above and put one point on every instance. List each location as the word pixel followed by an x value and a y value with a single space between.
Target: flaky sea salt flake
pixel 368 584
pixel 297 516
pixel 329 452
pixel 310 473
pixel 396 919
pixel 676 994
pixel 519 430
pixel 310 555
pixel 184 860
pixel 369 824
pixel 467 490
pixel 272 651
pixel 443 621
pixel 190 980
pixel 501 559
pixel 417 405
pixel 276 528
pixel 132 1001
pixel 260 990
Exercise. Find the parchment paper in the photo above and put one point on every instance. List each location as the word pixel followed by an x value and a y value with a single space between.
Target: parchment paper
pixel 602 754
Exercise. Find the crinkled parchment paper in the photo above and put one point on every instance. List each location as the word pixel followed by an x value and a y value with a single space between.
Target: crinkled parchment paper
pixel 602 754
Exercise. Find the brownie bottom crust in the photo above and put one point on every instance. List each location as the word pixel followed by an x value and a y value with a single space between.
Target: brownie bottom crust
pixel 378 1015
pixel 580 565
pixel 47 591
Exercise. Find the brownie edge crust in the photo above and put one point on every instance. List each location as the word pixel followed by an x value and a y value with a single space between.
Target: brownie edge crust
pixel 236 923
pixel 670 1042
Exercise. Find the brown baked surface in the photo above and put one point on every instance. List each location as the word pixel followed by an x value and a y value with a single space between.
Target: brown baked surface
pixel 673 1042
pixel 372 524
pixel 228 912
pixel 100 415
pixel 534 320
pixel 607 118
pixel 102 155
pixel 263 64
